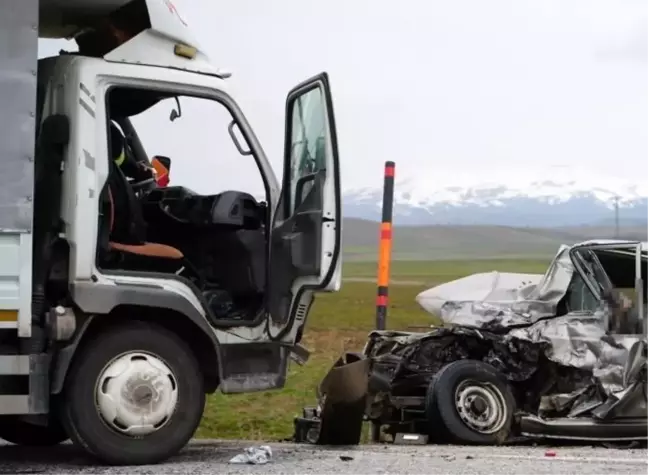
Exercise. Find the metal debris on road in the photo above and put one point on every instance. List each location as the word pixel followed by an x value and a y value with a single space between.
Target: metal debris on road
pixel 254 456
pixel 410 439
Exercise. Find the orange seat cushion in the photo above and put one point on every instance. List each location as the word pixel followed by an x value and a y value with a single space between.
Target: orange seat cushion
pixel 150 249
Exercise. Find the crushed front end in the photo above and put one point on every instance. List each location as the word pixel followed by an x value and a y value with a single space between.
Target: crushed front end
pixel 525 357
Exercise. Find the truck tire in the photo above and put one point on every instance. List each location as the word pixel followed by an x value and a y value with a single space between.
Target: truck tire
pixel 134 395
pixel 469 402
pixel 19 432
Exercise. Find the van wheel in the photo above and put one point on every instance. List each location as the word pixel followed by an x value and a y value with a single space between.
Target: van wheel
pixel 134 395
pixel 469 402
pixel 20 432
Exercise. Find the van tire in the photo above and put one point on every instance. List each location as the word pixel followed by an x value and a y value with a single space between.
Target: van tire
pixel 100 436
pixel 457 398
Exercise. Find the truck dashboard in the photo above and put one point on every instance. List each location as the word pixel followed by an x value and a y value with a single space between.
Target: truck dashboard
pixel 230 209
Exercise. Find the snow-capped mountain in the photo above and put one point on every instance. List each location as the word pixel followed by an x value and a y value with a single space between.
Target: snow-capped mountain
pixel 530 201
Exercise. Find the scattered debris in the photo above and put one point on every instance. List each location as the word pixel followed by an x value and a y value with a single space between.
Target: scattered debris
pixel 346 458
pixel 253 456
pixel 410 439
pixel 550 453
pixel 337 420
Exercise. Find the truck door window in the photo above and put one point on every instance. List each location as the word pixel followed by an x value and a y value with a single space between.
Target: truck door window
pixel 309 137
pixel 205 159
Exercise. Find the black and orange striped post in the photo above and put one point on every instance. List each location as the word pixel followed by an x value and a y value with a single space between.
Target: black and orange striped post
pixel 384 252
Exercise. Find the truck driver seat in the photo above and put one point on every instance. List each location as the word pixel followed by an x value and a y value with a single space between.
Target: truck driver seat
pixel 126 230
pixel 123 228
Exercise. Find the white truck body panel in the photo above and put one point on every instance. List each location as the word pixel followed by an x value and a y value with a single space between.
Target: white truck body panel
pixel 19 29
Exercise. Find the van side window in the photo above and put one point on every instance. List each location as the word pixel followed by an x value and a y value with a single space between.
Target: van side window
pixel 579 296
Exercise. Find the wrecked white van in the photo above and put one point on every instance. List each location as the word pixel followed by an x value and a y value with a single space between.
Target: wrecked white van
pixel 560 355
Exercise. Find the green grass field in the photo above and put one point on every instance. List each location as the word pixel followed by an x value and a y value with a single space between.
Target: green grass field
pixel 339 322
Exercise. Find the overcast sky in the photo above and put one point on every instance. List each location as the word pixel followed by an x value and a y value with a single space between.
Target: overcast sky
pixel 455 89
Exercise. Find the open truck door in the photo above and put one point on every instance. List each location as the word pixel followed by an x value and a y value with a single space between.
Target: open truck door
pixel 305 252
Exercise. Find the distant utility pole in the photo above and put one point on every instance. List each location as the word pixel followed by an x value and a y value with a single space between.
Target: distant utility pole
pixel 616 217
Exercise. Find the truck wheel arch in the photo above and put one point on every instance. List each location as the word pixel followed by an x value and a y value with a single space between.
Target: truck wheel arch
pixel 103 304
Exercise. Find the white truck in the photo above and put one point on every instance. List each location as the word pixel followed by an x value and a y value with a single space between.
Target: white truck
pixel 123 302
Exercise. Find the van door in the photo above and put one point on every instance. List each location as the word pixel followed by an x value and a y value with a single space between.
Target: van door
pixel 306 240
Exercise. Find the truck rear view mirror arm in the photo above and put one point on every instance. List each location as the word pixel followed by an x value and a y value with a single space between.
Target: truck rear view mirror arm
pixel 176 113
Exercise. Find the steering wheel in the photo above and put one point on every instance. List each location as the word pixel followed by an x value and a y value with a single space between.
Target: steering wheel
pixel 142 184
pixel 167 211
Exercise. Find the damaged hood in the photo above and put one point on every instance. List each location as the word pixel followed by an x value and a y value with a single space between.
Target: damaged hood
pixel 500 299
pixel 502 287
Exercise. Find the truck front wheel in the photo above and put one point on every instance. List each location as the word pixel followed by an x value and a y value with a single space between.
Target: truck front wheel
pixel 134 395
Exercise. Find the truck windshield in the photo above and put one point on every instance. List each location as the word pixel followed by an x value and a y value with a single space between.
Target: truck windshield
pixel 205 158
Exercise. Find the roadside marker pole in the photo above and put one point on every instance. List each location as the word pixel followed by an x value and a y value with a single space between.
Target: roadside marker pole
pixel 384 252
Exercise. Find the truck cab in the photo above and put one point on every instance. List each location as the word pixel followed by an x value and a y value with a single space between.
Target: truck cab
pixel 126 299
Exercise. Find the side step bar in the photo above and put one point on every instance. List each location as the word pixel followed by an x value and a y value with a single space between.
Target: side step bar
pixel 585 429
pixel 24 384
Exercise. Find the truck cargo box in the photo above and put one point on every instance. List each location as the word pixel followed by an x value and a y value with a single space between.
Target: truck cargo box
pixel 18 57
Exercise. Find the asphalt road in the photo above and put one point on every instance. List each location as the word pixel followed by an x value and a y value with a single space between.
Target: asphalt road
pixel 213 456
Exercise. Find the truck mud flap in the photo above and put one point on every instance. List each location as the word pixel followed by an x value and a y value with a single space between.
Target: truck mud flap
pixel 585 429
pixel 343 400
